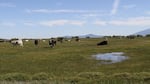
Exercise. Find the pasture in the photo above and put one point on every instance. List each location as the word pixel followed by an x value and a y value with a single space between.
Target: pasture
pixel 73 60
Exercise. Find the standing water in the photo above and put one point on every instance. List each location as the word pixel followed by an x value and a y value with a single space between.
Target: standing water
pixel 109 58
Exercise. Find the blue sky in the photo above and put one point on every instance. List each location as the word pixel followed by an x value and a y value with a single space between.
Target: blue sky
pixel 52 18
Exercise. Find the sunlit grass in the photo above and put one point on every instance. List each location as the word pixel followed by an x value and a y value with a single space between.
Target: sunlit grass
pixel 69 59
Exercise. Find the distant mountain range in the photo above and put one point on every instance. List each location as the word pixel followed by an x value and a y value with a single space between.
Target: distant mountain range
pixel 86 36
pixel 144 32
pixel 90 36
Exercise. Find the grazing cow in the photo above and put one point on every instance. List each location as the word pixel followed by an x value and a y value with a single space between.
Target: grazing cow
pixel 69 40
pixel 43 40
pixel 77 39
pixel 36 42
pixel 102 43
pixel 52 43
pixel 17 42
pixel 27 40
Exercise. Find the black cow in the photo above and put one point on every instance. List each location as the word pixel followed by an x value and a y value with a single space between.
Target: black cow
pixel 102 43
pixel 36 42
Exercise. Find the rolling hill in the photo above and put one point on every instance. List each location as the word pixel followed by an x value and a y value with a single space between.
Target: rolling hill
pixel 144 32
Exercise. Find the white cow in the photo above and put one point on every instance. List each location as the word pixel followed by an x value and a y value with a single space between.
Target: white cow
pixel 17 42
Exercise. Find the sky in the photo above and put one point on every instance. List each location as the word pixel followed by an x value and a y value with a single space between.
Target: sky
pixel 54 18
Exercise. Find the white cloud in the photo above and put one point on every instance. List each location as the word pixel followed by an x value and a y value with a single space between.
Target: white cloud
pixel 7 5
pixel 77 23
pixel 61 23
pixel 115 7
pixel 94 15
pixel 101 23
pixel 29 24
pixel 61 11
pixel 7 24
pixel 137 21
pixel 129 6
pixel 37 11
pixel 90 15
pixel 53 23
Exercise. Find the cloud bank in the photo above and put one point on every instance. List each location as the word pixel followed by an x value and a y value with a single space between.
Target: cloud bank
pixel 129 6
pixel 61 11
pixel 137 21
pixel 62 22
pixel 7 24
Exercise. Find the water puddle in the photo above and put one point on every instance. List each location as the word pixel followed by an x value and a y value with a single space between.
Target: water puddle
pixel 110 58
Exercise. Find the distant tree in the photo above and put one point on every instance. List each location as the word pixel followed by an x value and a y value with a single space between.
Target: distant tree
pixel 131 36
pixel 107 36
pixel 14 39
pixel 118 37
pixel 52 38
pixel 88 37
pixel 139 36
pixel 60 39
pixel 1 40
pixel 76 37
pixel 148 35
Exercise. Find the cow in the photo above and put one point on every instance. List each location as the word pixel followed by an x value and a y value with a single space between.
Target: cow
pixel 102 43
pixel 52 43
pixel 36 42
pixel 17 42
pixel 77 39
pixel 105 42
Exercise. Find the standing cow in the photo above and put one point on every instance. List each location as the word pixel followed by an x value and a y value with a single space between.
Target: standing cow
pixel 17 42
pixel 52 43
pixel 36 42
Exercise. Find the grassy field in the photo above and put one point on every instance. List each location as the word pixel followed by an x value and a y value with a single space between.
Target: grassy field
pixel 73 60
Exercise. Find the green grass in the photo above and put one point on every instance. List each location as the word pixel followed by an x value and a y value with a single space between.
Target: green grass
pixel 68 59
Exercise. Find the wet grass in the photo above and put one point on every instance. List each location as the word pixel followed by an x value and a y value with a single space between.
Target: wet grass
pixel 69 59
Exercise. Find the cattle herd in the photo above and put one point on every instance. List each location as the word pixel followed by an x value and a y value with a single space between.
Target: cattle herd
pixel 19 42
pixel 51 42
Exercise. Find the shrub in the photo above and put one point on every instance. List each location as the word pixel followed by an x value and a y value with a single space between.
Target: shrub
pixel 91 75
pixel 40 76
pixel 142 76
pixel 124 75
pixel 15 77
